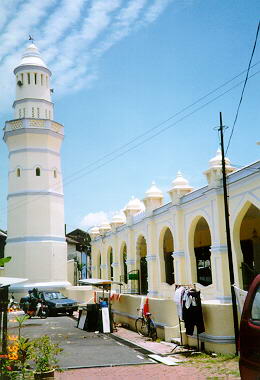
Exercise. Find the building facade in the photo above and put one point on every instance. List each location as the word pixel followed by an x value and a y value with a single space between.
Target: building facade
pixel 160 245
pixel 36 237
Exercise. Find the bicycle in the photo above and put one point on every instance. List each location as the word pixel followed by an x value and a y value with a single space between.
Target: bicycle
pixel 145 326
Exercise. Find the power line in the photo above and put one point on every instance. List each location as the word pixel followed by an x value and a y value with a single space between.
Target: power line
pixel 78 173
pixel 158 125
pixel 162 130
pixel 243 89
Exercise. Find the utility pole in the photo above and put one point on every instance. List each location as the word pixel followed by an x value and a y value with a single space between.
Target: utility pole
pixel 230 260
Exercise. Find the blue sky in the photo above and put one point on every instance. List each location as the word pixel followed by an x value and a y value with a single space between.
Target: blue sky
pixel 122 67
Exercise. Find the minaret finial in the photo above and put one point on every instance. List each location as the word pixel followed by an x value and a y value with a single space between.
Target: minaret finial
pixel 31 38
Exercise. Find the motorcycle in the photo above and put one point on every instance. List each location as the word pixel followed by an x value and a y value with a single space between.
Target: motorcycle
pixel 40 310
pixel 13 305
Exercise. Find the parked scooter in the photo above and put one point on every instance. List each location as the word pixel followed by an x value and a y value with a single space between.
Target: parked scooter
pixel 13 305
pixel 40 310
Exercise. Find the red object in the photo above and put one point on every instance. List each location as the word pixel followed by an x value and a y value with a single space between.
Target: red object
pixel 146 307
pixel 249 362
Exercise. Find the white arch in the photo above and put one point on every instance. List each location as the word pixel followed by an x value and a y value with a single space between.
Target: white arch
pixel 162 232
pixel 191 259
pixel 237 253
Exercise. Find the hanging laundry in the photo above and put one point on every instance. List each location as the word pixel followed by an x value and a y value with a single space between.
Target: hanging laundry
pixel 146 307
pixel 192 311
pixel 178 296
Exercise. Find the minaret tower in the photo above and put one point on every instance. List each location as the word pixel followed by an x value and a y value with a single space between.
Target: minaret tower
pixel 35 229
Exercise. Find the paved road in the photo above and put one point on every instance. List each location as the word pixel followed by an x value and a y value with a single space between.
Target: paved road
pixel 80 348
pixel 106 358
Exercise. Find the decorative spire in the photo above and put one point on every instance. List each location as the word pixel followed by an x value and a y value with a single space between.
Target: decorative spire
pixel 154 192
pixel 32 57
pixel 31 38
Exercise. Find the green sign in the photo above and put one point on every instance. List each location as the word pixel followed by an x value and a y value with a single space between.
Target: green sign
pixel 133 276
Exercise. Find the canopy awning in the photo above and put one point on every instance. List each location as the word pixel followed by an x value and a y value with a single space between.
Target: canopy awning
pixel 99 282
pixel 6 281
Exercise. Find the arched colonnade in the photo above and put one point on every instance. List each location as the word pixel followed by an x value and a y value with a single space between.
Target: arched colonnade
pixel 181 247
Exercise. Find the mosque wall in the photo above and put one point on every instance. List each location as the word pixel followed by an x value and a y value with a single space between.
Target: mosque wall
pixel 189 231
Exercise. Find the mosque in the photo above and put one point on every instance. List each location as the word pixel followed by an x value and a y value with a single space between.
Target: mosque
pixel 153 247
pixel 150 248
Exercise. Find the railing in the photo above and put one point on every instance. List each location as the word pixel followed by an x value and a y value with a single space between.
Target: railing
pixel 17 124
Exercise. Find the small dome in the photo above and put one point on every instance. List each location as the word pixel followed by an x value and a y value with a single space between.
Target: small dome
pixel 104 227
pixel 154 192
pixel 94 231
pixel 118 218
pixel 217 160
pixel 32 56
pixel 180 182
pixel 134 204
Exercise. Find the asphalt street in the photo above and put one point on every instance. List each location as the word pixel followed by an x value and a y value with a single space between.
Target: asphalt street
pixel 80 348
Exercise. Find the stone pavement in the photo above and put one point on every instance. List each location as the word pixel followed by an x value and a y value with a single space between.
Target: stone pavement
pixel 151 371
pixel 162 347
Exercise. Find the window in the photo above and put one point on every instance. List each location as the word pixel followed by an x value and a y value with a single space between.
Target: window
pixel 256 306
pixel 38 172
pixel 55 173
pixel 22 77
pixel 23 112
pixel 18 172
pixel 204 275
pixel 35 78
pixel 20 113
pixel 41 79
pixel 38 113
pixel 28 78
pixel 33 112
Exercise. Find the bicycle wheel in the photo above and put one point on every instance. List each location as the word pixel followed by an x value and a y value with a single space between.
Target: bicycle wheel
pixel 141 327
pixel 153 331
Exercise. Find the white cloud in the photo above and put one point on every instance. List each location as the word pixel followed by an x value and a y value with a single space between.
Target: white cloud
pixel 19 27
pixel 155 10
pixel 64 17
pixel 72 36
pixel 94 219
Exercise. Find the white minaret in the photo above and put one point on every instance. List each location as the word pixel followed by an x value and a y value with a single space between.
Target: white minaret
pixel 35 238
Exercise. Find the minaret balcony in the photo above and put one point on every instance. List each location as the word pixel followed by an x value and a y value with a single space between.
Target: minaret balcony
pixel 30 123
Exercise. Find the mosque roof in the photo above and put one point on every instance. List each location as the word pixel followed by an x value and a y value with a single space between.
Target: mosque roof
pixel 217 160
pixel 105 226
pixel 32 57
pixel 134 204
pixel 118 218
pixel 154 192
pixel 180 182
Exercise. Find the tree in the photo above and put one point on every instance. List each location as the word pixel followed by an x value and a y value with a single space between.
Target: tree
pixel 4 260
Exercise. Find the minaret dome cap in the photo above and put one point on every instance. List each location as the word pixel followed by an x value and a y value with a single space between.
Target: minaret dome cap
pixel 31 57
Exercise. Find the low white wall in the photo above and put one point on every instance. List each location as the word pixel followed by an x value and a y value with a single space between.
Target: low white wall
pixel 82 294
pixel 218 320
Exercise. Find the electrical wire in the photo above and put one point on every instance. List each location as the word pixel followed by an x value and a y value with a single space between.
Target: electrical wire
pixel 158 125
pixel 80 175
pixel 243 89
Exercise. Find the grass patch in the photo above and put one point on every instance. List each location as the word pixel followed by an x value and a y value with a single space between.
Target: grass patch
pixel 220 365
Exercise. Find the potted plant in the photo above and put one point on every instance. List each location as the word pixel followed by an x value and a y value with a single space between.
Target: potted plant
pixel 44 355
pixel 15 365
